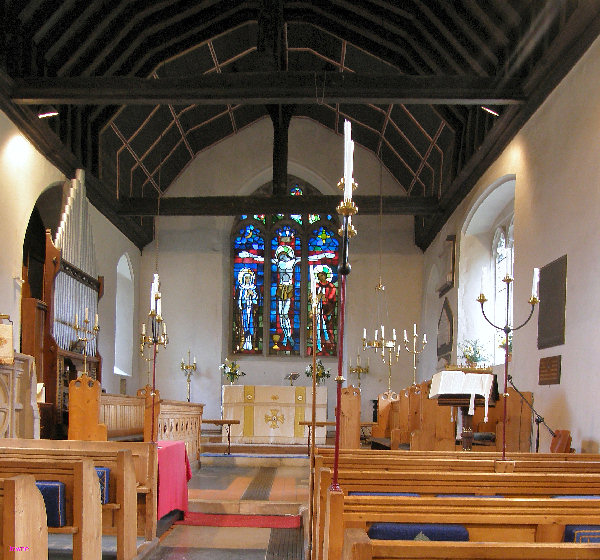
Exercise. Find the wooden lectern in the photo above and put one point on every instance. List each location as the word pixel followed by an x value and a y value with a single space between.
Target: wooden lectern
pixel 466 389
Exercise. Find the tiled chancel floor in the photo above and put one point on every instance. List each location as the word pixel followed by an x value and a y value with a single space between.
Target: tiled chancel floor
pixel 250 489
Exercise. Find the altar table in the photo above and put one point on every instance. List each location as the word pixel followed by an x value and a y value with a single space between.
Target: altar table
pixel 272 413
pixel 174 471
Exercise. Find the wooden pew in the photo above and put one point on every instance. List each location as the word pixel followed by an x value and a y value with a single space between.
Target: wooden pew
pixel 486 519
pixel 119 515
pixel 358 546
pixel 357 466
pixel 133 418
pixel 23 530
pixel 145 463
pixel 82 492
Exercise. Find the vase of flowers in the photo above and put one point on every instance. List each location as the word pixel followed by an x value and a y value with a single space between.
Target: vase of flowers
pixel 231 370
pixel 322 372
pixel 473 352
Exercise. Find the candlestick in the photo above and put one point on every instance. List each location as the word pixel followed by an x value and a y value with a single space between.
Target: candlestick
pixel 507 329
pixel 414 350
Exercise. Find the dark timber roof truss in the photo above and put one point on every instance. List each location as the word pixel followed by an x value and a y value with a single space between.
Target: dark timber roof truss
pixel 143 87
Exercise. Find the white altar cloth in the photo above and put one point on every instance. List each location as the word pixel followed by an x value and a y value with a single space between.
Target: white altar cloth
pixel 272 413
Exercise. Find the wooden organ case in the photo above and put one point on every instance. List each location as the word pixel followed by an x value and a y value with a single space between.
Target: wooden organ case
pixel 69 286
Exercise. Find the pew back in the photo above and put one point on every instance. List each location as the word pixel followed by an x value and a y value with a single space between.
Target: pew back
pixel 22 527
pixel 145 464
pixel 82 492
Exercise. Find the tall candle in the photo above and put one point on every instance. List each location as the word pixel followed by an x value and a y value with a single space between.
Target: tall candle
pixel 424 339
pixel 144 329
pixel 86 314
pixel 158 308
pixel 76 320
pixel 405 336
pixel 313 285
pixel 483 279
pixel 348 160
pixel 415 329
pixel 382 332
pixel 365 334
pixel 394 334
pixel 96 320
pixel 535 284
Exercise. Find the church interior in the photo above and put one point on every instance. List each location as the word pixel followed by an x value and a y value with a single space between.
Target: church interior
pixel 320 264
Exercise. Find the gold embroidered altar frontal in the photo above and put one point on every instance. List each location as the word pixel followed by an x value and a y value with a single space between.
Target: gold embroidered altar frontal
pixel 272 413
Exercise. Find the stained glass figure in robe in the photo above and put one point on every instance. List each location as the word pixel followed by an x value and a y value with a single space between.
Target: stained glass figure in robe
pixel 248 270
pixel 285 290
pixel 323 249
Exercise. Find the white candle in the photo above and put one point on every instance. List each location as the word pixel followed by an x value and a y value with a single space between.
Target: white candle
pixel 153 291
pixel 535 284
pixel 194 360
pixel 394 334
pixel 348 160
pixel 144 329
pixel 313 285
pixel 158 309
pixel 483 279
pixel 364 334
pixel 382 332
pixel 424 339
pixel 376 331
pixel 86 314
pixel 76 320
pixel 405 337
pixel 415 329
pixel 96 320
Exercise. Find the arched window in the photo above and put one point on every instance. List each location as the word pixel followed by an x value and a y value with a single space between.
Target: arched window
pixel 273 258
pixel 503 257
pixel 124 318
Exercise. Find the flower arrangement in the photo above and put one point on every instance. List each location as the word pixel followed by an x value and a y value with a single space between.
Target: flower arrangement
pixel 503 343
pixel 472 352
pixel 231 370
pixel 322 373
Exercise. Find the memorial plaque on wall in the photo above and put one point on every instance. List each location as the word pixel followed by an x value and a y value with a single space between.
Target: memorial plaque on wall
pixel 553 301
pixel 549 373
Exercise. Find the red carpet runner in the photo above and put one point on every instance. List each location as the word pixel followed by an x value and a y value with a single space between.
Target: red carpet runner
pixel 239 520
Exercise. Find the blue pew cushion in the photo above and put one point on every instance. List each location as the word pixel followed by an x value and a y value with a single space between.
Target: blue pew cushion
pixel 360 493
pixel 53 493
pixel 577 496
pixel 104 476
pixel 418 531
pixel 582 533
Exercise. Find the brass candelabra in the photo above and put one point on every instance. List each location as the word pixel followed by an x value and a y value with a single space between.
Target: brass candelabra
pixel 414 350
pixel 85 334
pixel 188 369
pixel 359 369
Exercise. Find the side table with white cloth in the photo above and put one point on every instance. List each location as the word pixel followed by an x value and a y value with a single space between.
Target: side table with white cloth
pixel 465 390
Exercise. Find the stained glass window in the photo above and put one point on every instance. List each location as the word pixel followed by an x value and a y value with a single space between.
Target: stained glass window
pixel 271 313
pixel 286 254
pixel 248 282
pixel 323 246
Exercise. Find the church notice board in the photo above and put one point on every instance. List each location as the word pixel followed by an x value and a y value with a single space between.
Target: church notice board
pixel 272 414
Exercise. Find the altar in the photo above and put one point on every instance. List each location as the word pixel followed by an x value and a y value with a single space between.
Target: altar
pixel 272 413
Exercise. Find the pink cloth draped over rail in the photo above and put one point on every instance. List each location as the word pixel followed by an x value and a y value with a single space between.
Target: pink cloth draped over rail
pixel 174 471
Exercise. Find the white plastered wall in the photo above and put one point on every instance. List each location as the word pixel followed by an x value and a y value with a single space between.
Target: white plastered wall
pixel 194 265
pixel 556 161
